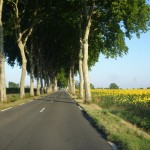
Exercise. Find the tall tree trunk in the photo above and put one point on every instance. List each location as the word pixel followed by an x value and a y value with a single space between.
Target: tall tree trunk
pixel 31 74
pixel 70 81
pixel 68 88
pixel 38 87
pixel 73 81
pixel 81 64
pixel 22 39
pixel 55 84
pixel 41 77
pixel 74 88
pixel 45 83
pixel 49 90
pixel 81 77
pixel 24 65
pixel 85 64
pixel 3 97
pixel 38 79
pixel 88 15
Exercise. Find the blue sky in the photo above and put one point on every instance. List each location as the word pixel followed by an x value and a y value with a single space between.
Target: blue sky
pixel 130 71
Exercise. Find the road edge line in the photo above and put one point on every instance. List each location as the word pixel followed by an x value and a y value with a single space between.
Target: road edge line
pixel 7 109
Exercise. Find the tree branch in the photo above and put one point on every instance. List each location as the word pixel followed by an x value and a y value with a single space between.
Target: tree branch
pixel 27 36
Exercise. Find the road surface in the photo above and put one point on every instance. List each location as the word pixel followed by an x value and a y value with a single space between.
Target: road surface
pixel 53 122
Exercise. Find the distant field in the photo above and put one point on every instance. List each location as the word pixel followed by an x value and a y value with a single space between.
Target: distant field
pixel 131 105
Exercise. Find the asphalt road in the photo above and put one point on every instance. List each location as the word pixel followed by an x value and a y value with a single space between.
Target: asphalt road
pixel 53 122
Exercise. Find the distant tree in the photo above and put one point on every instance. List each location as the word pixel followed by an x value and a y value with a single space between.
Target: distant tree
pixel 77 84
pixel 148 87
pixel 113 86
pixel 62 79
pixel 91 86
pixel 13 85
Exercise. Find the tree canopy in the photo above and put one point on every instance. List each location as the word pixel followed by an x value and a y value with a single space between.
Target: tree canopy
pixel 49 34
pixel 113 86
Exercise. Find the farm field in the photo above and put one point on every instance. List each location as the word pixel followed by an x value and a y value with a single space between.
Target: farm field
pixel 132 105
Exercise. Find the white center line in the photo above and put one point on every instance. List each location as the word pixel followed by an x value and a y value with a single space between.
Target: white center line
pixel 6 109
pixel 42 109
pixel 21 104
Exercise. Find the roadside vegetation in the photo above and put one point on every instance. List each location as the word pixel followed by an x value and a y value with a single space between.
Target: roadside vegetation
pixel 122 115
pixel 37 35
pixel 131 105
pixel 14 100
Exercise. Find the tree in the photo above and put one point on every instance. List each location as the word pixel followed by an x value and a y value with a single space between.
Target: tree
pixel 77 84
pixel 62 79
pixel 20 12
pixel 3 97
pixel 91 86
pixel 113 86
pixel 13 85
pixel 112 21
pixel 101 27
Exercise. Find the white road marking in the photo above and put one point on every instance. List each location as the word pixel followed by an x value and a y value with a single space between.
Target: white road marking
pixel 42 109
pixel 6 109
pixel 51 101
pixel 80 108
pixel 30 100
pixel 113 145
pixel 21 104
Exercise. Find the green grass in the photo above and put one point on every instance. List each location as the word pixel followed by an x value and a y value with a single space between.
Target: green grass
pixel 129 113
pixel 14 99
pixel 128 136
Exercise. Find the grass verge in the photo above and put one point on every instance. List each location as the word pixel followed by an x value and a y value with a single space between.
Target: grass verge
pixel 126 135
pixel 14 100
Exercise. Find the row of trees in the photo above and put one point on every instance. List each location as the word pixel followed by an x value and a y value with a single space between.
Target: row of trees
pixel 53 40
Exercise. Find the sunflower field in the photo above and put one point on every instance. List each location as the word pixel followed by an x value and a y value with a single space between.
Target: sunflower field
pixel 132 105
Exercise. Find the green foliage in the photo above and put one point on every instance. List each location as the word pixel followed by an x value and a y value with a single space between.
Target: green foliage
pixel 16 90
pixel 12 90
pixel 113 86
pixel 127 137
pixel 55 39
pixel 62 79
pixel 132 113
pixel 13 85
pixel 91 86
pixel 77 85
pixel 13 98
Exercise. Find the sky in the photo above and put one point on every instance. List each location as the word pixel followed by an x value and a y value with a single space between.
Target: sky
pixel 130 71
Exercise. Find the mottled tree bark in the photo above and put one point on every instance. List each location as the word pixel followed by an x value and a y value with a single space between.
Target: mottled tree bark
pixel 3 97
pixel 73 81
pixel 85 64
pixel 23 73
pixel 38 79
pixel 81 92
pixel 55 84
pixel 31 72
pixel 22 36
pixel 70 82
pixel 85 53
